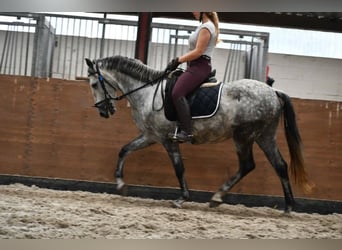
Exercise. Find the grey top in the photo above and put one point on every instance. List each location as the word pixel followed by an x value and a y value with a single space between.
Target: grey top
pixel 212 42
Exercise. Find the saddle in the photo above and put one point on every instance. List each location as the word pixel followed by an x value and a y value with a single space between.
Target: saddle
pixel 203 102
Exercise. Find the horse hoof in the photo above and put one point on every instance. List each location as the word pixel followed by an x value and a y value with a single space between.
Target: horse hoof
pixel 120 184
pixel 122 190
pixel 288 210
pixel 121 187
pixel 214 204
pixel 177 203
pixel 216 200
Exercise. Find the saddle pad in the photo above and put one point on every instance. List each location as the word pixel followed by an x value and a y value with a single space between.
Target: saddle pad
pixel 204 102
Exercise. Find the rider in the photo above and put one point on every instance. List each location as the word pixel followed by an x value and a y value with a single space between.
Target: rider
pixel 201 46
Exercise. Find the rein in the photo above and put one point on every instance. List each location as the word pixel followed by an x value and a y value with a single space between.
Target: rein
pixel 118 98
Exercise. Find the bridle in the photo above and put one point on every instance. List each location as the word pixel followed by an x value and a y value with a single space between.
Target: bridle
pixel 106 102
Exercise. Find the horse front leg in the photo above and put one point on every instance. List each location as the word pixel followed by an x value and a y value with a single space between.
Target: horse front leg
pixel 173 151
pixel 138 143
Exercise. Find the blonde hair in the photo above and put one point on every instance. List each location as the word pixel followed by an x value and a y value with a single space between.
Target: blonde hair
pixel 215 19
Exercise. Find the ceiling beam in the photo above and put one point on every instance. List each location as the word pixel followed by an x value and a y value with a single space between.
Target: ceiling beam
pixel 319 21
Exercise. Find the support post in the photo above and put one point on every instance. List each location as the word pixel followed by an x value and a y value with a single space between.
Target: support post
pixel 44 42
pixel 143 36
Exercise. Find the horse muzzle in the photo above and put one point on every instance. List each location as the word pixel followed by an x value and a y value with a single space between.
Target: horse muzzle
pixel 105 108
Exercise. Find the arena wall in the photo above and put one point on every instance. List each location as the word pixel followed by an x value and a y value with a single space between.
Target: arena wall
pixel 49 129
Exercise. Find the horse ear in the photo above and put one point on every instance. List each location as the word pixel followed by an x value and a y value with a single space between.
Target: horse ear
pixel 89 63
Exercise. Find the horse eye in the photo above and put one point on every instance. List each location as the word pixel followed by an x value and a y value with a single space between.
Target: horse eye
pixel 94 85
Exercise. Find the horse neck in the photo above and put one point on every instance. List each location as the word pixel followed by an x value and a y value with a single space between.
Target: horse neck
pixel 126 84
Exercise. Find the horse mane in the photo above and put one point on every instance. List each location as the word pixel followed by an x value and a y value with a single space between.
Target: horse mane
pixel 132 67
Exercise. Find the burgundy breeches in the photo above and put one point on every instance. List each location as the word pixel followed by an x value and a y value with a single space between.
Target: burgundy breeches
pixel 197 71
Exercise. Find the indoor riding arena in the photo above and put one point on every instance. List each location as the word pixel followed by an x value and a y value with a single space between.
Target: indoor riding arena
pixel 58 156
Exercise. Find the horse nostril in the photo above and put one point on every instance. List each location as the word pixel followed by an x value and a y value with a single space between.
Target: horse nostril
pixel 104 114
pixel 105 107
pixel 111 109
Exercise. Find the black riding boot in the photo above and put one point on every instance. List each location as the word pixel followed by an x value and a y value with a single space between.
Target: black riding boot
pixel 184 117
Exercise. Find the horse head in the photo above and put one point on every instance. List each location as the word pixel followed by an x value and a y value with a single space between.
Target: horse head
pixel 103 92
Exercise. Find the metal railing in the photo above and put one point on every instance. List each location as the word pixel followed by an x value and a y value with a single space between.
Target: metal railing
pixel 55 45
pixel 17 47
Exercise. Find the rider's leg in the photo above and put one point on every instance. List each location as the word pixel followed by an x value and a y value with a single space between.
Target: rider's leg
pixel 184 117
pixel 191 79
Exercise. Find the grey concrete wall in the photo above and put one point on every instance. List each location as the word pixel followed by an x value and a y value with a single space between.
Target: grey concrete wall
pixel 307 77
pixel 300 76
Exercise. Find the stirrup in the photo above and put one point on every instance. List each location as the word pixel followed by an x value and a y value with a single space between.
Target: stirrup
pixel 173 136
pixel 183 136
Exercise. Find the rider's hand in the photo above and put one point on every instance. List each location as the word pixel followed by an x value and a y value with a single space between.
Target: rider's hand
pixel 173 65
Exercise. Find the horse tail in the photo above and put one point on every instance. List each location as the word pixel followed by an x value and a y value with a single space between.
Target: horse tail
pixel 294 142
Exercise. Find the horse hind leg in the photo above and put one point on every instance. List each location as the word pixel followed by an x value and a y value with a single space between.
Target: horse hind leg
pixel 270 148
pixel 246 164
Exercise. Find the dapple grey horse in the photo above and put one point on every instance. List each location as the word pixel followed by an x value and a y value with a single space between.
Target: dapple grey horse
pixel 249 112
